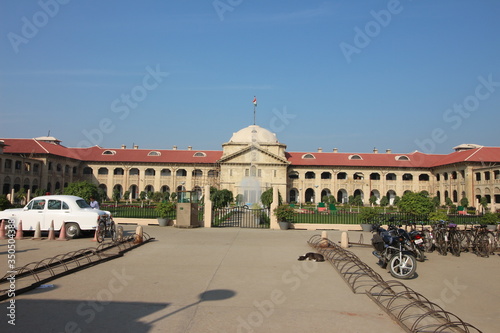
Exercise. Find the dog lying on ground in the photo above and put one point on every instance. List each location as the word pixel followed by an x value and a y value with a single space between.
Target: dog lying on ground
pixel 312 256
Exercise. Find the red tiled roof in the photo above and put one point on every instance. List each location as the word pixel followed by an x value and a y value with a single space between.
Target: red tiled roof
pixel 415 159
pixel 33 146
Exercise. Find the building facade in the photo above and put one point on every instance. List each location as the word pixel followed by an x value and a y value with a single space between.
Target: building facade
pixel 252 161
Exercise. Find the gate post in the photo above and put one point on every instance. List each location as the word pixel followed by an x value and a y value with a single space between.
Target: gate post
pixel 207 210
pixel 273 219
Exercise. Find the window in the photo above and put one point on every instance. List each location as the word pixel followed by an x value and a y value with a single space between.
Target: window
pixel 402 158
pixel 293 175
pixel 308 156
pixel 326 175
pixel 181 173
pixel 37 204
pixel 102 171
pixel 150 172
pixel 199 154
pixel 54 205
pixel 213 173
pixel 355 157
pixel 198 173
pixel 310 175
pixel 478 176
pixel 8 164
pixel 342 175
pixel 18 165
pixel 154 153
pixel 375 176
pixel 109 152
pixel 358 176
pixel 407 177
pixel 165 173
pixel 118 172
pixel 390 176
pixel 487 175
pixel 423 177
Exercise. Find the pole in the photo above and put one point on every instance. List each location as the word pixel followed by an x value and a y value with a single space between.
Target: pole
pixel 254 114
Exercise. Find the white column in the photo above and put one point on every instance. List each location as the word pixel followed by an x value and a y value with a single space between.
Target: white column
pixel 274 220
pixel 207 211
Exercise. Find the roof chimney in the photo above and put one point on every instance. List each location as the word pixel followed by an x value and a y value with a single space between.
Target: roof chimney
pixel 335 150
pixel 124 147
pixel 174 148
pixel 375 150
pixel 388 151
pixel 320 150
pixel 190 147
pixel 136 147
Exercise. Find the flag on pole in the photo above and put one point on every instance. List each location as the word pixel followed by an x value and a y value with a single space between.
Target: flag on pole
pixel 254 101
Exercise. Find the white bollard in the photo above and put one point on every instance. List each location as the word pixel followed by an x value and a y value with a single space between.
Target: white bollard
pixel 344 240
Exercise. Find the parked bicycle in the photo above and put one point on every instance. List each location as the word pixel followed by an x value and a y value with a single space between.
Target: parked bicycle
pixel 106 229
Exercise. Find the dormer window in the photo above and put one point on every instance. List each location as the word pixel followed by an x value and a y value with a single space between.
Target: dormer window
pixel 109 152
pixel 154 153
pixel 308 156
pixel 402 158
pixel 355 157
pixel 199 154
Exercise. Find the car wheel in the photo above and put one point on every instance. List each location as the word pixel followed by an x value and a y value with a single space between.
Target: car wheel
pixel 73 230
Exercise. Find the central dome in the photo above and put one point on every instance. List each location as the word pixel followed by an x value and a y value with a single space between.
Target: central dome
pixel 254 133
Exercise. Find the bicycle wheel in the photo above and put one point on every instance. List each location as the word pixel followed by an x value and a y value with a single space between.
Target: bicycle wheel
pixel 465 240
pixel 101 232
pixel 428 241
pixel 441 241
pixel 112 232
pixel 454 243
pixel 482 245
pixel 491 242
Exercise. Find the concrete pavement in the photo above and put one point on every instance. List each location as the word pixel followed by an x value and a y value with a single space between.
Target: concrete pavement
pixel 232 280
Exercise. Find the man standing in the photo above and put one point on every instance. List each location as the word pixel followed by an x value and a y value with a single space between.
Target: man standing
pixel 93 203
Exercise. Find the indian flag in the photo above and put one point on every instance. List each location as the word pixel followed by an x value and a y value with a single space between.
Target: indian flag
pixel 254 101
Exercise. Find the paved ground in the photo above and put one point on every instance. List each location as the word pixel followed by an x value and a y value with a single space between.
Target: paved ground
pixel 234 280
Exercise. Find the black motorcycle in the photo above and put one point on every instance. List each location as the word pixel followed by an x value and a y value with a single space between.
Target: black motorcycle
pixel 392 249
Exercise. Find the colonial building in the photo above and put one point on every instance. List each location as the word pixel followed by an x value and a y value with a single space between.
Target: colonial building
pixel 251 161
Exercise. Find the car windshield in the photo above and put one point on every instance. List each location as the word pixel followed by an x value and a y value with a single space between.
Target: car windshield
pixel 82 203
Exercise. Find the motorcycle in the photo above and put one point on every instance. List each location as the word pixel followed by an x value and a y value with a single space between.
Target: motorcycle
pixel 392 248
pixel 417 244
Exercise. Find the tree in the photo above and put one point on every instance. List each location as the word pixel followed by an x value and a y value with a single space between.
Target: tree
pixel 356 201
pixel 373 200
pixel 83 190
pixel 221 198
pixel 435 202
pixel 484 203
pixel 464 202
pixel 239 199
pixel 157 196
pixel 116 195
pixel 267 198
pixel 416 203
pixel 384 201
pixel 143 195
pixel 21 195
pixel 4 202
pixel 368 214
pixel 396 200
pixel 126 195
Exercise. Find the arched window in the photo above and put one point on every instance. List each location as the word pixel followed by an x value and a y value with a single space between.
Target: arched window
pixel 375 176
pixel 407 177
pixel 293 175
pixel 181 173
pixel 390 176
pixel 310 175
pixel 102 171
pixel 118 172
pixel 326 175
pixel 342 175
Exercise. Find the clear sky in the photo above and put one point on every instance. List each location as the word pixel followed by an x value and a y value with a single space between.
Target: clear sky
pixel 402 75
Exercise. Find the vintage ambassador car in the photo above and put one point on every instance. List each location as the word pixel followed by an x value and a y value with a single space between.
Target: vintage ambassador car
pixel 74 211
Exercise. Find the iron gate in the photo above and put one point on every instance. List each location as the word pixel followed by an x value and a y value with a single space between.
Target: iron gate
pixel 241 216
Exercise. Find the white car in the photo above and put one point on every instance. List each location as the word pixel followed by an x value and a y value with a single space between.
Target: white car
pixel 74 211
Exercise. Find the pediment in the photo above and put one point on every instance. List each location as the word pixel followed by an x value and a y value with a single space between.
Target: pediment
pixel 253 154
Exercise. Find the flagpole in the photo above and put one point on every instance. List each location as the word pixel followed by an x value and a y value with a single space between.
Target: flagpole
pixel 254 114
pixel 254 107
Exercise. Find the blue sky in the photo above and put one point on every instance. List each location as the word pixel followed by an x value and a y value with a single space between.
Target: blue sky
pixel 402 75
